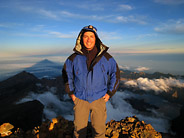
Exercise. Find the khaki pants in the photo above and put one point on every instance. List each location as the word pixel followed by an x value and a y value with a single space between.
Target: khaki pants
pixel 98 117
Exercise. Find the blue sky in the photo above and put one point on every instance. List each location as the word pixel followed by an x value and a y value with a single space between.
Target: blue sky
pixel 50 27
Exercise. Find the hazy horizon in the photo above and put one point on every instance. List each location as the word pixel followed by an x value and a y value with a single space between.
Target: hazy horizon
pixel 149 63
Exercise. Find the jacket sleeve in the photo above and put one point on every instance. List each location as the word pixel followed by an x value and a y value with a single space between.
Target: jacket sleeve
pixel 114 77
pixel 68 77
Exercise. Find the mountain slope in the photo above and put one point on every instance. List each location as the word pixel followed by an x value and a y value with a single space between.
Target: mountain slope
pixel 17 86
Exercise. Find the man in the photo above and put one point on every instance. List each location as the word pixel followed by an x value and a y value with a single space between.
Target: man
pixel 91 77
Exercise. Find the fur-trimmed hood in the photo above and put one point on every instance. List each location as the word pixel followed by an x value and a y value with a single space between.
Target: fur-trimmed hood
pixel 100 46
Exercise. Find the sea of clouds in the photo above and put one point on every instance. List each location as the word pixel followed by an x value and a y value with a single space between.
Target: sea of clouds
pixel 156 85
pixel 117 108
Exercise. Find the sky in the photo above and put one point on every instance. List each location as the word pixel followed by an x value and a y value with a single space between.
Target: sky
pixel 50 27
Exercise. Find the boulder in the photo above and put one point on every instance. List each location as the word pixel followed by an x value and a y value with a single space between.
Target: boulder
pixel 25 116
pixel 130 127
pixel 178 124
pixel 5 129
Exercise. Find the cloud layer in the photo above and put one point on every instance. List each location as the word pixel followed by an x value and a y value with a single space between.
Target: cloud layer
pixel 117 108
pixel 142 68
pixel 157 85
pixel 125 7
pixel 171 27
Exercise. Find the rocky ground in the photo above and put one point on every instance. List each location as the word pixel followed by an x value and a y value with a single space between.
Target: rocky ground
pixel 130 127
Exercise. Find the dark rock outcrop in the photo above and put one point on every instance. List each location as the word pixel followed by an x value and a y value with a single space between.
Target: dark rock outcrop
pixel 26 115
pixel 16 87
pixel 62 128
pixel 130 127
pixel 178 124
pixel 29 114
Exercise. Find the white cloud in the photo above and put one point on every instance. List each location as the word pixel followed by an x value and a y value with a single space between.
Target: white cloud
pixel 90 6
pixel 80 16
pixel 157 85
pixel 68 14
pixel 107 18
pixel 4 25
pixel 48 14
pixel 171 27
pixel 61 35
pixel 84 5
pixel 170 2
pixel 58 15
pixel 25 8
pixel 63 14
pixel 125 7
pixel 10 25
pixel 124 67
pixel 130 19
pixel 142 36
pixel 121 19
pixel 39 11
pixel 40 31
pixel 109 35
pixel 131 83
pixel 142 68
pixel 38 28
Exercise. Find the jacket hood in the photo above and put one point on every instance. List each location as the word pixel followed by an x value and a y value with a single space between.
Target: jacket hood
pixel 78 46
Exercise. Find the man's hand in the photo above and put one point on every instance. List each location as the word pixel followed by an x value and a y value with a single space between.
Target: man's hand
pixel 106 97
pixel 73 97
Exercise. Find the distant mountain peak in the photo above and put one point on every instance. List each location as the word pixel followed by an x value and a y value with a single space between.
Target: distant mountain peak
pixel 46 62
pixel 45 69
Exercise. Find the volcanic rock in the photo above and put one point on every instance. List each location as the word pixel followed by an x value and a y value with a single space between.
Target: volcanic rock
pixel 25 116
pixel 130 127
pixel 5 129
pixel 178 124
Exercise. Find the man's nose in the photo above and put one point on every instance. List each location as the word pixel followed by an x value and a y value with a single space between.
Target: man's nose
pixel 88 39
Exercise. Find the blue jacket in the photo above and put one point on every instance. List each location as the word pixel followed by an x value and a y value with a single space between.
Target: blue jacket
pixel 90 84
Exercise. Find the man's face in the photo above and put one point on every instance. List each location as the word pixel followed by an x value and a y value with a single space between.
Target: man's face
pixel 89 40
